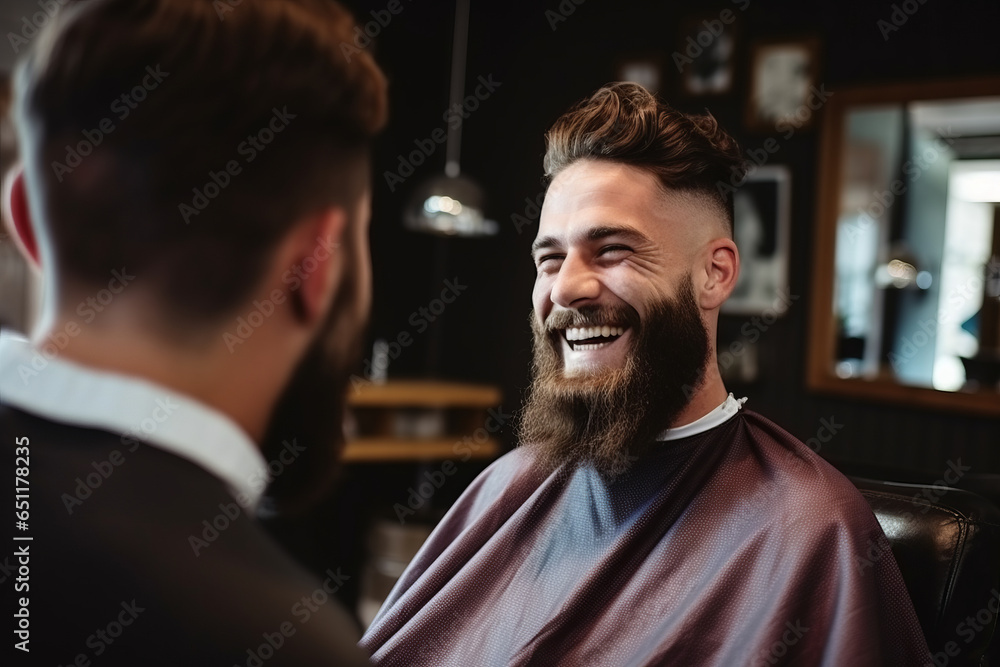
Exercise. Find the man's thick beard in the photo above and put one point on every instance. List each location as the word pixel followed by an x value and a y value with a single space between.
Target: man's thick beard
pixel 310 411
pixel 609 418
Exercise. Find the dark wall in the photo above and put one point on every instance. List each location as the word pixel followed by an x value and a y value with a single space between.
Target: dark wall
pixel 484 336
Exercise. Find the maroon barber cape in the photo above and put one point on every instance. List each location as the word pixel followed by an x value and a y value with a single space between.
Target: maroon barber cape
pixel 735 546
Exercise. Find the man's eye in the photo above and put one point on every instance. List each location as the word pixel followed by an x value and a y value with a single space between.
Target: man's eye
pixel 548 260
pixel 612 249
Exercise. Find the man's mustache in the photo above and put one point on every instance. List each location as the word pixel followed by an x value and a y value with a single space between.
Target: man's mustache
pixel 593 315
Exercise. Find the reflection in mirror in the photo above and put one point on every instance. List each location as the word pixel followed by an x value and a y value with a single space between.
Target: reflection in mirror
pixel 912 206
pixel 915 238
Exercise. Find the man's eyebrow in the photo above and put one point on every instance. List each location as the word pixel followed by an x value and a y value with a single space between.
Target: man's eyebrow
pixel 630 233
pixel 543 242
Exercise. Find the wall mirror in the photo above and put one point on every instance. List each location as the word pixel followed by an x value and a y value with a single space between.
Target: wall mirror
pixel 906 270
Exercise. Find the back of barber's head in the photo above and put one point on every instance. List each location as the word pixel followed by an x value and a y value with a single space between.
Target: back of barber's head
pixel 182 139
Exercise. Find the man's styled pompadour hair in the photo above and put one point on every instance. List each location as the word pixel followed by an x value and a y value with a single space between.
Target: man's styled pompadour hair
pixel 625 123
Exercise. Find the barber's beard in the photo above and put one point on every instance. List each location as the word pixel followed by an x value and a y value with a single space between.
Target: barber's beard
pixel 310 411
pixel 607 418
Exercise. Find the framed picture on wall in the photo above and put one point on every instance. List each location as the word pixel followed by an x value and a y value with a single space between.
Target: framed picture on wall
pixel 761 228
pixel 643 70
pixel 783 85
pixel 705 54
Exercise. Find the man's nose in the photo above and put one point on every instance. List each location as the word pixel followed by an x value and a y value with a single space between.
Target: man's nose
pixel 575 284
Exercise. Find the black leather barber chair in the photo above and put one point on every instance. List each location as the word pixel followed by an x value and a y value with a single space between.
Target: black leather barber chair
pixel 947 544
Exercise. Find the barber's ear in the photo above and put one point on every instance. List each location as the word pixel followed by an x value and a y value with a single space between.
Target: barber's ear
pixel 315 249
pixel 15 200
pixel 719 271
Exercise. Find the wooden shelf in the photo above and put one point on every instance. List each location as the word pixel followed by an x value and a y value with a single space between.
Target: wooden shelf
pixel 421 420
pixel 382 450
pixel 424 394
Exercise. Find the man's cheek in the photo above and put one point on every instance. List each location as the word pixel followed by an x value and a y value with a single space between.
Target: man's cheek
pixel 551 339
pixel 558 346
pixel 541 292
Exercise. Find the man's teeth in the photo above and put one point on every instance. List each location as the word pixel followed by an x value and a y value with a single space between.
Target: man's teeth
pixel 585 333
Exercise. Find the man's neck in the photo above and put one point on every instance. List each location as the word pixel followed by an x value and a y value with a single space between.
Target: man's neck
pixel 242 389
pixel 711 394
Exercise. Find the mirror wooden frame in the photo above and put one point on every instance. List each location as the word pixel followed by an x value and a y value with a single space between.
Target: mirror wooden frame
pixel 820 377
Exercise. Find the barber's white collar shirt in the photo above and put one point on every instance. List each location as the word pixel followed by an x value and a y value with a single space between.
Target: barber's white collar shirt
pixel 62 391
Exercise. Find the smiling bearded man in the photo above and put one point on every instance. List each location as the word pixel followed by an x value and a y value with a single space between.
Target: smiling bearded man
pixel 579 420
pixel 647 518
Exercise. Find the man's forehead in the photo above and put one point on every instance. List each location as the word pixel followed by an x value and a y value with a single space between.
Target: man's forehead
pixel 592 193
pixel 595 202
pixel 591 182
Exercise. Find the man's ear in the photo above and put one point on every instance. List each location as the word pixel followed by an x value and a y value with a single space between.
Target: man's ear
pixel 718 273
pixel 315 246
pixel 15 201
